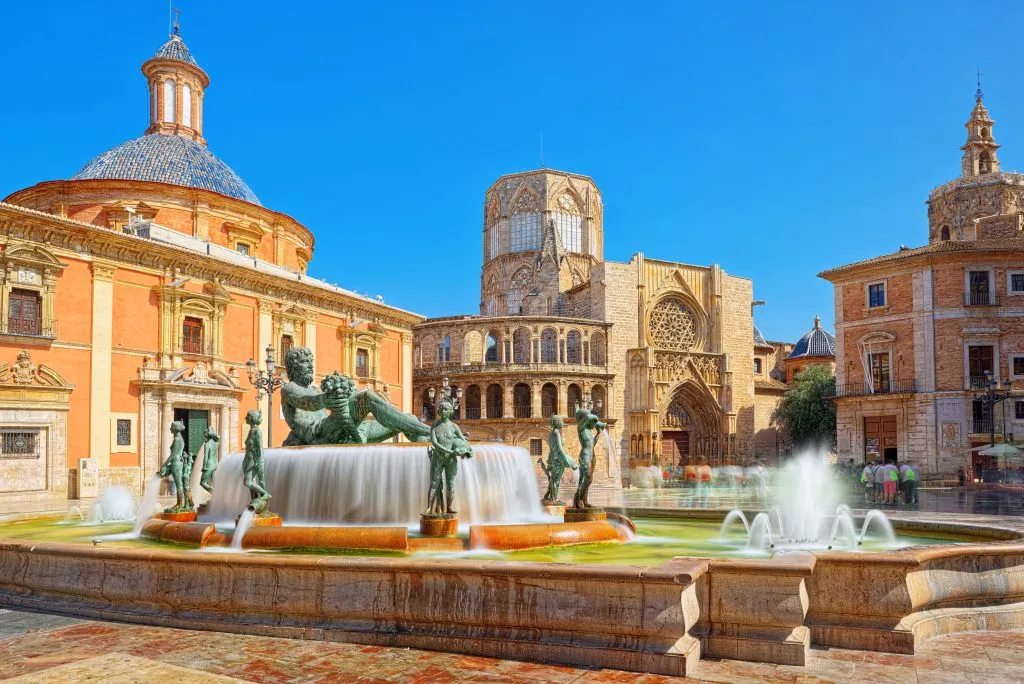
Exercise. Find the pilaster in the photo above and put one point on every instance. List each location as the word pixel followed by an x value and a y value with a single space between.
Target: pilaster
pixel 100 361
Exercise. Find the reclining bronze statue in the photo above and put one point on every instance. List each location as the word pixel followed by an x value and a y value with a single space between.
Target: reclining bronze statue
pixel 336 413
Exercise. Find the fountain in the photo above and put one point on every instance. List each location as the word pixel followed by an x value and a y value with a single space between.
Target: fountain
pixel 116 505
pixel 808 513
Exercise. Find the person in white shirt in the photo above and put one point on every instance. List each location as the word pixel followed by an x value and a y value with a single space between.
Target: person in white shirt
pixel 867 478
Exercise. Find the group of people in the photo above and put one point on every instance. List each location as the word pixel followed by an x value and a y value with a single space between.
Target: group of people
pixel 887 483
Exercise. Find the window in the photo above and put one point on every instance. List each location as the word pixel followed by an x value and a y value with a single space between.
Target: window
pixel 979 292
pixel 879 364
pixel 362 363
pixel 23 315
pixel 984 162
pixel 549 346
pixel 757 365
pixel 169 91
pixel 287 342
pixel 524 235
pixel 243 248
pixel 1017 366
pixel 945 233
pixel 536 447
pixel 597 349
pixel 1016 283
pixel 192 335
pixel 979 363
pixel 573 350
pixel 124 432
pixel 876 295
pixel 19 444
pixel 574 397
pixel 186 105
pixel 495 402
pixel 491 349
pixel 444 350
pixel 570 229
pixel 494 237
pixel 548 400
pixel 1018 410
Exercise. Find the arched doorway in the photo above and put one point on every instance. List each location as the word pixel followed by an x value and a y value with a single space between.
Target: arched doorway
pixel 691 427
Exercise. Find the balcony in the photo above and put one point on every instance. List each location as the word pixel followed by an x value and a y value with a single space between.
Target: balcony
pixel 38 328
pixel 454 368
pixel 200 347
pixel 493 412
pixel 979 383
pixel 981 299
pixel 522 411
pixel 981 426
pixel 472 413
pixel 863 389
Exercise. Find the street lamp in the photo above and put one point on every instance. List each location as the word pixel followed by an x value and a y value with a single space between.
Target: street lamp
pixel 990 397
pixel 265 382
pixel 591 405
pixel 444 393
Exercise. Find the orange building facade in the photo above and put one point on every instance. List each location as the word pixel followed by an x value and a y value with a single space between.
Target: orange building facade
pixel 133 294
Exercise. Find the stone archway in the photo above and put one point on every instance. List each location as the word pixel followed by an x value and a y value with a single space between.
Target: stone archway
pixel 690 426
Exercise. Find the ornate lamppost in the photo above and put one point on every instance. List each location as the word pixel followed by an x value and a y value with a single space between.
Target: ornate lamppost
pixel 444 393
pixel 265 382
pixel 589 405
pixel 990 397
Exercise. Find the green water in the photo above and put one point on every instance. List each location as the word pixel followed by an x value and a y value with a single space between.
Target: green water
pixel 658 540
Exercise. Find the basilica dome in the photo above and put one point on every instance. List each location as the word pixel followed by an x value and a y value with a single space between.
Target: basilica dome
pixel 173 159
pixel 817 342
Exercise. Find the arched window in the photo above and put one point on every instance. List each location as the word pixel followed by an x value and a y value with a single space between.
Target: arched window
pixel 570 228
pixel 492 295
pixel 597 349
pixel 574 398
pixel 495 402
pixel 495 233
pixel 522 402
pixel 549 346
pixel 573 348
pixel 984 132
pixel 492 353
pixel 471 402
pixel 597 395
pixel 517 290
pixel 444 350
pixel 521 345
pixel 945 233
pixel 548 400
pixel 170 89
pixel 471 352
pixel 186 105
pixel 524 232
pixel 428 405
pixel 984 162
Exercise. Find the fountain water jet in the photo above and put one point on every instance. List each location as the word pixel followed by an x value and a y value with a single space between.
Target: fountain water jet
pixel 730 517
pixel 148 504
pixel 881 522
pixel 116 504
pixel 761 533
pixel 844 524
pixel 244 523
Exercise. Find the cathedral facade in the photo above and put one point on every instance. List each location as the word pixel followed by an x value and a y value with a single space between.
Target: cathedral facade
pixel 133 293
pixel 663 351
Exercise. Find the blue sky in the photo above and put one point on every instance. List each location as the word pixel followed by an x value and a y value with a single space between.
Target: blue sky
pixel 776 139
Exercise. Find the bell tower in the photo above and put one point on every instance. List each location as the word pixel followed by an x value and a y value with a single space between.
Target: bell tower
pixel 176 87
pixel 980 149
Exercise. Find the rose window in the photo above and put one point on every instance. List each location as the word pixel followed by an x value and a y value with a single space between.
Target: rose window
pixel 672 326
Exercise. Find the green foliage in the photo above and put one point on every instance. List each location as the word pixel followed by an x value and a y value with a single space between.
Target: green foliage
pixel 805 412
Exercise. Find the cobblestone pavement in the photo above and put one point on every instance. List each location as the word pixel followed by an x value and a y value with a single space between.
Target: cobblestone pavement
pixel 43 649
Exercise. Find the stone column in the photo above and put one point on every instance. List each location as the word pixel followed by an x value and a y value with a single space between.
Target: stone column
pixel 406 374
pixel 265 337
pixel 483 400
pixel 100 361
pixel 509 407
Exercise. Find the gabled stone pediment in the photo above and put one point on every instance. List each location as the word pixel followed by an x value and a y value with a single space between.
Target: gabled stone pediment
pixel 24 373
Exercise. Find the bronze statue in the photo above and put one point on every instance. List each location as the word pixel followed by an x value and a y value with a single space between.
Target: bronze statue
pixel 174 467
pixel 252 463
pixel 586 421
pixel 336 413
pixel 209 460
pixel 447 446
pixel 558 461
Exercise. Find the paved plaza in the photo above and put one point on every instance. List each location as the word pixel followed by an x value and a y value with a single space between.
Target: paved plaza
pixel 44 649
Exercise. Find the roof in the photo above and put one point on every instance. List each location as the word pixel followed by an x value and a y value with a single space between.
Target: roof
pixel 817 342
pixel 1001 245
pixel 172 159
pixel 175 49
pixel 759 340
pixel 771 384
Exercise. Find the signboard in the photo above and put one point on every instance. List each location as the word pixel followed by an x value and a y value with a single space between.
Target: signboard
pixel 88 478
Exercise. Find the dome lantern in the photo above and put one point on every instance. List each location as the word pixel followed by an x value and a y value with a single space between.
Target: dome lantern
pixel 176 88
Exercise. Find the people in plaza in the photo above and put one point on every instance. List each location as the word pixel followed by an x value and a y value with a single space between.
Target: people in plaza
pixel 703 483
pixel 879 477
pixel 909 483
pixel 891 482
pixel 867 478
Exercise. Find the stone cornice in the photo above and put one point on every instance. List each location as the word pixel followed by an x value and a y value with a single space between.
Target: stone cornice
pixel 87 240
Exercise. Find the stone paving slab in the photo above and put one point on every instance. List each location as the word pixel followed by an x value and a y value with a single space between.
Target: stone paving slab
pixel 88 651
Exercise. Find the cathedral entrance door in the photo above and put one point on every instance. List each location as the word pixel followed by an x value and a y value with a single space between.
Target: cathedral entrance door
pixel 675 447
pixel 196 422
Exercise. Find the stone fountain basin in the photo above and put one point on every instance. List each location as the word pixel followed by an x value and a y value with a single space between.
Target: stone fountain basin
pixel 659 618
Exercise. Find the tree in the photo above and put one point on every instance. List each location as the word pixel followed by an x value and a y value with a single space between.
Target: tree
pixel 805 411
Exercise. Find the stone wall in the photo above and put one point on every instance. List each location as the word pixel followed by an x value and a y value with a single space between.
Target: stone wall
pixel 737 326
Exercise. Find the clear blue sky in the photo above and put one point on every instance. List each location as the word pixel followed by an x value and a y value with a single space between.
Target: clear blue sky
pixel 776 139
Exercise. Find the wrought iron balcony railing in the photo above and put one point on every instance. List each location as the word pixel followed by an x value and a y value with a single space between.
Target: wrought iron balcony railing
pixel 522 410
pixel 981 299
pixel 38 327
pixel 861 389
pixel 981 426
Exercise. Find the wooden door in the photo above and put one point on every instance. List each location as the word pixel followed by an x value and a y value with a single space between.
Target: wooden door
pixel 675 447
pixel 24 315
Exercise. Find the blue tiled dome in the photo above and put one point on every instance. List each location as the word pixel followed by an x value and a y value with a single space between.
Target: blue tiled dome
pixel 817 342
pixel 168 159
pixel 175 49
pixel 759 340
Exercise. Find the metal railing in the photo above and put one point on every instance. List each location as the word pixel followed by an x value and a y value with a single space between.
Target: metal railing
pixel 522 410
pixel 202 347
pixel 981 299
pixel 494 411
pixel 456 368
pixel 981 426
pixel 860 389
pixel 979 383
pixel 38 327
pixel 472 413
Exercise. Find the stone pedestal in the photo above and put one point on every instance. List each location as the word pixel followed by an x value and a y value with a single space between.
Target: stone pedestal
pixel 437 526
pixel 187 516
pixel 584 514
pixel 553 509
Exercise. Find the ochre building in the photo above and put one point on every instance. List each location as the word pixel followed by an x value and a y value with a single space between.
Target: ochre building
pixel 133 294
pixel 921 331
pixel 664 351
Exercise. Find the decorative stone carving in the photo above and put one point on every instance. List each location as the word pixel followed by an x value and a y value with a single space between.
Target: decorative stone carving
pixel 25 372
pixel 951 435
pixel 526 202
pixel 672 325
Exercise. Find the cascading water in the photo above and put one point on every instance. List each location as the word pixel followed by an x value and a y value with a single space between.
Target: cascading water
pixel 116 504
pixel 761 533
pixel 380 484
pixel 843 525
pixel 881 522
pixel 731 517
pixel 147 505
pixel 244 522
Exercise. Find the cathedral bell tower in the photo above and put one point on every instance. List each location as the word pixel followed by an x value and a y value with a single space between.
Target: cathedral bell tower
pixel 980 149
